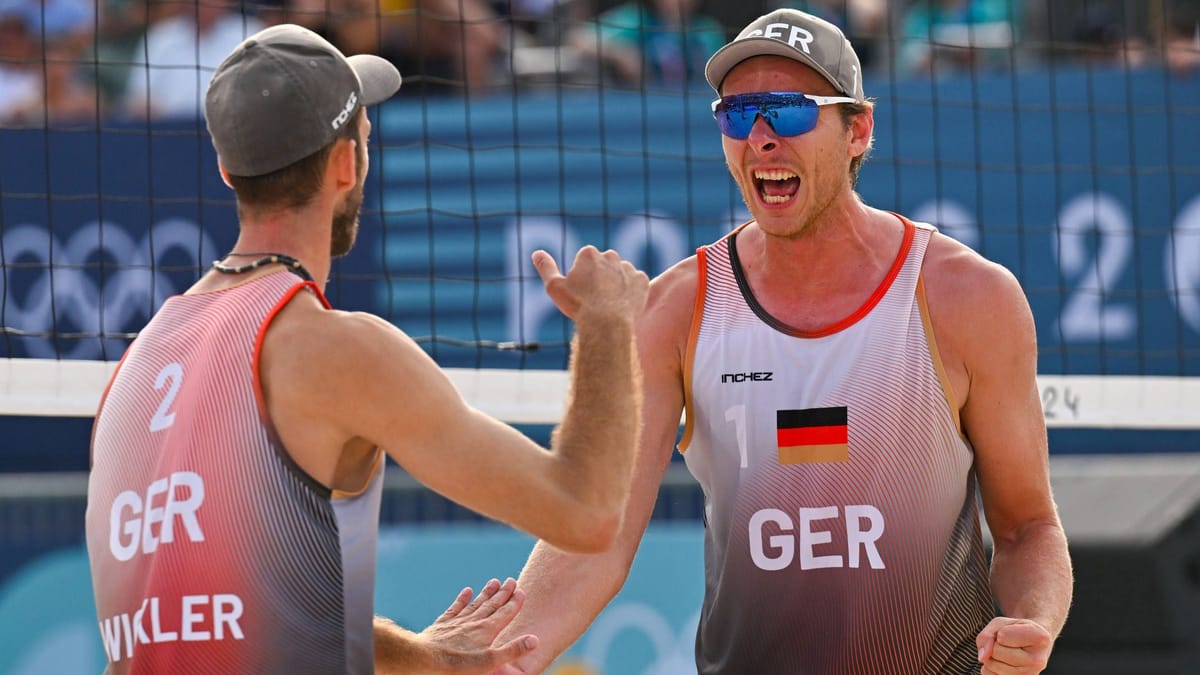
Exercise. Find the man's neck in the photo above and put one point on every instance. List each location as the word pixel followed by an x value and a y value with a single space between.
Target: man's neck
pixel 302 235
pixel 842 233
pixel 839 257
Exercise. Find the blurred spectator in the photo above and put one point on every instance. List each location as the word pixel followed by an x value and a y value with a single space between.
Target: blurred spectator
pixel 67 96
pixel 1181 45
pixel 20 79
pixel 538 48
pixel 456 43
pixel 41 50
pixel 941 34
pixel 60 20
pixel 436 44
pixel 665 42
pixel 1101 38
pixel 543 22
pixel 1097 35
pixel 865 23
pixel 121 26
pixel 174 62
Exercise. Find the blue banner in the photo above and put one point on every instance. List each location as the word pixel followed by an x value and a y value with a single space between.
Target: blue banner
pixel 1083 183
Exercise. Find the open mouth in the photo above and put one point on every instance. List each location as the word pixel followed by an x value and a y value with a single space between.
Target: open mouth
pixel 776 186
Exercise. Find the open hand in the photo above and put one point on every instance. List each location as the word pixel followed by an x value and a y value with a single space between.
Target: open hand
pixel 467 629
pixel 461 638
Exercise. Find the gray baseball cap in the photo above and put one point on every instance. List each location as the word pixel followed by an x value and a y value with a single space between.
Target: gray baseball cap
pixel 284 93
pixel 796 35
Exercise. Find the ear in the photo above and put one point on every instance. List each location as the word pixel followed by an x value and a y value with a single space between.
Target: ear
pixel 340 173
pixel 862 129
pixel 224 175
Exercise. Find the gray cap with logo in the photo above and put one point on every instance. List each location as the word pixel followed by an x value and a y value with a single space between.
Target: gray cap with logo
pixel 796 35
pixel 284 93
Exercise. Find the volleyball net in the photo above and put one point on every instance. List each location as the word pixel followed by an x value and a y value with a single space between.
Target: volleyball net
pixel 1065 155
pixel 1057 139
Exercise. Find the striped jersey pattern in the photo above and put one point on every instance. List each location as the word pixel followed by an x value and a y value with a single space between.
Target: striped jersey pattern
pixel 842 527
pixel 211 551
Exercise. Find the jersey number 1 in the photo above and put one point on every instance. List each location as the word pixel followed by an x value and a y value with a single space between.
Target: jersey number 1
pixel 737 415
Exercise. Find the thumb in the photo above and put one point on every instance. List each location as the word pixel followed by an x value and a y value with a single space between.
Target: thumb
pixel 986 641
pixel 513 649
pixel 555 284
pixel 486 660
pixel 546 267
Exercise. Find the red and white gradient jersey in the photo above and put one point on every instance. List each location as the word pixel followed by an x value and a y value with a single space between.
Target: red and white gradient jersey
pixel 842 531
pixel 211 550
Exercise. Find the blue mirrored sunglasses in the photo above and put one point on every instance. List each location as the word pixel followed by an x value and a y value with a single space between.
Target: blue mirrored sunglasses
pixel 790 113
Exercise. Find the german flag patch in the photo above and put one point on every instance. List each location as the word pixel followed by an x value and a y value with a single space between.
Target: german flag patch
pixel 812 436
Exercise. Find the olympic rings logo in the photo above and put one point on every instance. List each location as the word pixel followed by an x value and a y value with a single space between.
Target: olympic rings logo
pixel 51 287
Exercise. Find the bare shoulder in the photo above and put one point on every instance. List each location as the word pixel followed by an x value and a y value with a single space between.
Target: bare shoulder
pixel 307 329
pixel 980 316
pixel 677 284
pixel 963 287
pixel 665 322
pixel 321 354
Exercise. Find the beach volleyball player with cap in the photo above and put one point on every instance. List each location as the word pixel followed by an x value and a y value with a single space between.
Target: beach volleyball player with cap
pixel 239 450
pixel 851 383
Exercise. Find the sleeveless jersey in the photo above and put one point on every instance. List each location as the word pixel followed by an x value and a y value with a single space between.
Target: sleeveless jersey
pixel 211 550
pixel 842 530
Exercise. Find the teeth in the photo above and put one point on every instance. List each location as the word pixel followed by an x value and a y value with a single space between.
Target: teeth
pixel 775 199
pixel 773 174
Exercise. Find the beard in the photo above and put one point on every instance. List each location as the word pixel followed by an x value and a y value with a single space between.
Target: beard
pixel 345 218
pixel 345 224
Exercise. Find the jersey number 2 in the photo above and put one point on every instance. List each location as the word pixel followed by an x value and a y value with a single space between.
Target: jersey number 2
pixel 163 417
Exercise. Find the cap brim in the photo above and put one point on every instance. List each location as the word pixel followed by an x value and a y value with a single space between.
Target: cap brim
pixel 379 78
pixel 739 50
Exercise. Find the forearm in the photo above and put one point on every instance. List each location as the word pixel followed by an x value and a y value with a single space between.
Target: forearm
pixel 397 650
pixel 564 593
pixel 598 434
pixel 1031 575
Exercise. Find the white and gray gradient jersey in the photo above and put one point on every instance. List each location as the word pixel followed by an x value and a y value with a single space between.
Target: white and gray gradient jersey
pixel 842 526
pixel 211 550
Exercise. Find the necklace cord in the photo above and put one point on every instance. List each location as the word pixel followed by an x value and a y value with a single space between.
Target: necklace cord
pixel 267 259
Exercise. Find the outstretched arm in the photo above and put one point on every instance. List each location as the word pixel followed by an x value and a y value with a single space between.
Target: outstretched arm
pixel 460 640
pixel 567 591
pixel 352 380
pixel 575 494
